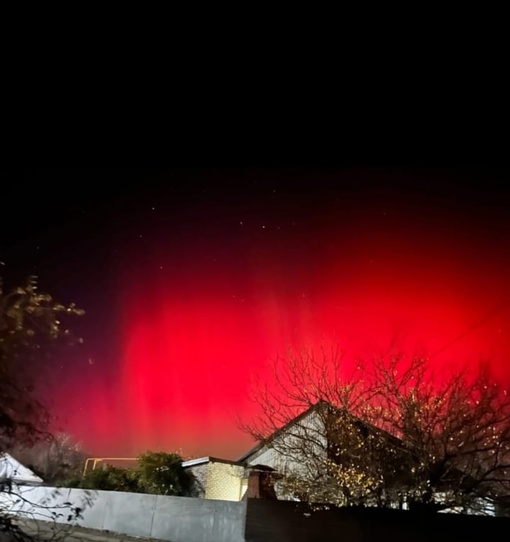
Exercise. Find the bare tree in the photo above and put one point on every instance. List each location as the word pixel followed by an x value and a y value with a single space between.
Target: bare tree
pixel 55 459
pixel 30 323
pixel 388 432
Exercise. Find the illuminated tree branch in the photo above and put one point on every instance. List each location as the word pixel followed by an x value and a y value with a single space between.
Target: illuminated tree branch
pixel 388 432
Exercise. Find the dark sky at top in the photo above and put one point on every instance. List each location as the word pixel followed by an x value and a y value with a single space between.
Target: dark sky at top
pixel 139 248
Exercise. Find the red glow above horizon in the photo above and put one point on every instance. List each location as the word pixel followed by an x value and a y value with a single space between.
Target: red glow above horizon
pixel 195 328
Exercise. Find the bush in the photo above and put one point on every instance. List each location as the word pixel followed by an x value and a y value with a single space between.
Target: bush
pixel 110 478
pixel 157 473
pixel 162 473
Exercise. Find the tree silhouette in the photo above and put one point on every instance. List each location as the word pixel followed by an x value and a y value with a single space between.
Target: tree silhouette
pixel 388 432
pixel 30 324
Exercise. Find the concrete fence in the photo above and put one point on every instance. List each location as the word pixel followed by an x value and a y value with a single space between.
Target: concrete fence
pixel 180 519
pixel 174 519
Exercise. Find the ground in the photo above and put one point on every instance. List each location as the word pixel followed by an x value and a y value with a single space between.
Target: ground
pixel 44 530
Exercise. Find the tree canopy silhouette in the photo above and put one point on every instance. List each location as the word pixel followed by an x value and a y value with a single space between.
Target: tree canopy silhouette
pixel 388 432
pixel 31 322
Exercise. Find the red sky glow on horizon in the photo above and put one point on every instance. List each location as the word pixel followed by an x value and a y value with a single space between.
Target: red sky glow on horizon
pixel 200 314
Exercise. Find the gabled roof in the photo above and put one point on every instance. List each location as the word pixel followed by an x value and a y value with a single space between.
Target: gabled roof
pixel 314 408
pixel 205 460
pixel 11 469
pixel 282 430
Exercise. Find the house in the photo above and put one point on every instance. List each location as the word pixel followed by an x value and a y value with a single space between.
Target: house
pixel 324 434
pixel 300 449
pixel 13 472
pixel 255 474
pixel 230 480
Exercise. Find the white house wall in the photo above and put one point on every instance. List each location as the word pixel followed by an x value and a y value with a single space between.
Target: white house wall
pixel 271 455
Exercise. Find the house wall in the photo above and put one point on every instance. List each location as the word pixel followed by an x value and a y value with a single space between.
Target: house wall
pixel 268 456
pixel 286 452
pixel 219 480
pixel 224 481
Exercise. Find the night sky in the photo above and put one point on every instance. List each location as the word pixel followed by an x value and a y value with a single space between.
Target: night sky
pixel 192 279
